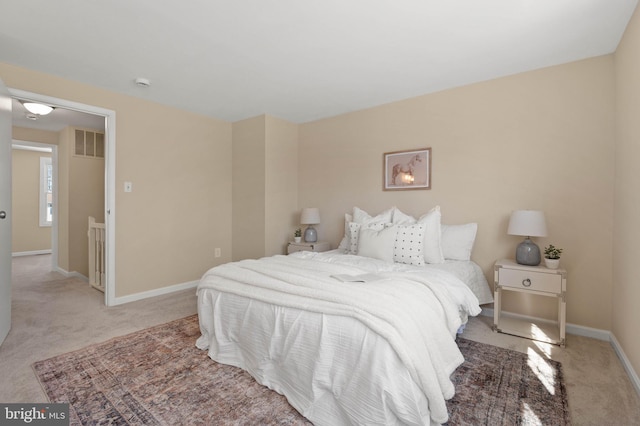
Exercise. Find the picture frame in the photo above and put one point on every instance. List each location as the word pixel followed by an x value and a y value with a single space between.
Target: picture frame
pixel 407 170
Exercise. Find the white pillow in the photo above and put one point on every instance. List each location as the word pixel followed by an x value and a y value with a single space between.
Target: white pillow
pixel 432 235
pixel 409 244
pixel 457 240
pixel 400 218
pixel 354 233
pixel 362 217
pixel 377 243
pixel 344 244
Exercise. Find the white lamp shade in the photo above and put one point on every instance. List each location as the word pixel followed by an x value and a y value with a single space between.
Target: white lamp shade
pixel 310 216
pixel 36 108
pixel 529 223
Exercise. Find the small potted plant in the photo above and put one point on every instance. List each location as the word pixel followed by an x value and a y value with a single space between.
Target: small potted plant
pixel 297 236
pixel 552 256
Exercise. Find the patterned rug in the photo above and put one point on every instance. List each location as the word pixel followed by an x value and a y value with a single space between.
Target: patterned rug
pixel 158 377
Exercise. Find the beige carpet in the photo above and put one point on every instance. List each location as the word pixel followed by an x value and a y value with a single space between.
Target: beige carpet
pixel 157 376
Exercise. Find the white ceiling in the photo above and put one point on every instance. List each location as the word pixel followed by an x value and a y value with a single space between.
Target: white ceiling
pixel 301 60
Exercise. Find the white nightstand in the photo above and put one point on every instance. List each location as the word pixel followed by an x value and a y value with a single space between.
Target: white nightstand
pixel 302 246
pixel 540 280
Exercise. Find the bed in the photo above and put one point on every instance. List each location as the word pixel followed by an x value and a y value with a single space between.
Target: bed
pixel 346 338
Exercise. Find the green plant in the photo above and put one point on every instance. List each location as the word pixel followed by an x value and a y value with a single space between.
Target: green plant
pixel 298 233
pixel 552 253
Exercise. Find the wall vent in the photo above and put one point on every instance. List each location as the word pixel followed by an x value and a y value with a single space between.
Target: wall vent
pixel 89 144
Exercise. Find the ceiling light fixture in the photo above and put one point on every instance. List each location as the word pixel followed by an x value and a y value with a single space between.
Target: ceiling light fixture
pixel 36 108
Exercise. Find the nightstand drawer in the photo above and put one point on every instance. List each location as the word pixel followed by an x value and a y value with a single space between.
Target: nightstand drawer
pixel 529 280
pixel 318 246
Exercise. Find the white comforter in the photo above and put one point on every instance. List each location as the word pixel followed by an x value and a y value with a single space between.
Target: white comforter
pixel 380 352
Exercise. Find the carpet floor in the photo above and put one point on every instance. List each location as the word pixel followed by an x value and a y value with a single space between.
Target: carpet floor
pixel 158 377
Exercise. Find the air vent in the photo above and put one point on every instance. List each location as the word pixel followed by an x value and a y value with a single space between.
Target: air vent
pixel 89 144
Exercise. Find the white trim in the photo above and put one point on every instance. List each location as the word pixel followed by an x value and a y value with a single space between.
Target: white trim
pixel 45 162
pixel 110 209
pixel 635 381
pixel 22 147
pixel 594 333
pixel 157 292
pixel 73 274
pixel 110 178
pixel 30 253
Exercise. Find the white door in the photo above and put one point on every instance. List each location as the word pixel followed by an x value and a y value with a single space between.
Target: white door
pixel 5 212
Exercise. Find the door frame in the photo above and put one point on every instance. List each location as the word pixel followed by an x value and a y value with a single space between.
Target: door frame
pixel 110 176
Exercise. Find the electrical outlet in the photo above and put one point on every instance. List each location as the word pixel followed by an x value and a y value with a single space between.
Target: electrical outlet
pixel 217 252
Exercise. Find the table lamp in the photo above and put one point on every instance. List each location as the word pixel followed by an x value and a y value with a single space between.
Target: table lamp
pixel 528 223
pixel 310 216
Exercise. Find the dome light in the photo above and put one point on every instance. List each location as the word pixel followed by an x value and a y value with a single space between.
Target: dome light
pixel 36 108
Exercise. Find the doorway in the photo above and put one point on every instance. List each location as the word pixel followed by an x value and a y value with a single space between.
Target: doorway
pixel 34 185
pixel 109 175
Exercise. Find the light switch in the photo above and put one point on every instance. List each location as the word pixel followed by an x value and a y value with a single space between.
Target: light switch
pixel 128 187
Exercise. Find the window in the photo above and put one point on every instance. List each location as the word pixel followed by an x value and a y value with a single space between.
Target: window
pixel 46 191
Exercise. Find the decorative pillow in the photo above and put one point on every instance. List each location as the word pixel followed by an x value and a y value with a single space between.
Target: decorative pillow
pixel 354 233
pixel 409 244
pixel 364 218
pixel 457 240
pixel 344 244
pixel 432 235
pixel 377 243
pixel 400 218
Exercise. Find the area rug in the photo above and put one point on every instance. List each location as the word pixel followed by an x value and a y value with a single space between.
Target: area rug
pixel 158 377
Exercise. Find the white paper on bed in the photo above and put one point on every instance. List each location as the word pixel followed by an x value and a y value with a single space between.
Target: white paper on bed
pixel 414 316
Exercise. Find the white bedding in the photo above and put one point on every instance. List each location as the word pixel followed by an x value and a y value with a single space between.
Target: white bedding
pixel 467 271
pixel 379 352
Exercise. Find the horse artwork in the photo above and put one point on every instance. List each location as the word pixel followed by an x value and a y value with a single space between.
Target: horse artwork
pixel 407 169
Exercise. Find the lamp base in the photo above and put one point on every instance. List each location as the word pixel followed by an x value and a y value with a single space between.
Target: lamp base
pixel 528 253
pixel 310 235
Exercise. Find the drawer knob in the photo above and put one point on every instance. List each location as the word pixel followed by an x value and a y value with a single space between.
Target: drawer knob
pixel 526 282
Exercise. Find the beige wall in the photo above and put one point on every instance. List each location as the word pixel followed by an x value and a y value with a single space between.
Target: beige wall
pixel 85 188
pixel 249 188
pixel 538 140
pixel 626 251
pixel 64 157
pixel 27 234
pixel 180 166
pixel 281 184
pixel 265 186
pixel 34 135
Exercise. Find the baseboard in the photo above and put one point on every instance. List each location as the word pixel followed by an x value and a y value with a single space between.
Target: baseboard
pixel 577 330
pixel 72 274
pixel 593 333
pixel 153 293
pixel 30 253
pixel 633 376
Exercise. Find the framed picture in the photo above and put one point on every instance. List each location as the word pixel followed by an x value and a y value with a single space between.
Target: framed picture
pixel 407 169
